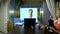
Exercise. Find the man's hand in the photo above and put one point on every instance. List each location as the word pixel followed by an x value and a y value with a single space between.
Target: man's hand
pixel 51 28
pixel 55 30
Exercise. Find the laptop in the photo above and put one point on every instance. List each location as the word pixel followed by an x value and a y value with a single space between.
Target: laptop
pixel 28 22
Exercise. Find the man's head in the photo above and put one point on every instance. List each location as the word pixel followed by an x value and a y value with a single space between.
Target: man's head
pixel 51 16
pixel 30 11
pixel 58 13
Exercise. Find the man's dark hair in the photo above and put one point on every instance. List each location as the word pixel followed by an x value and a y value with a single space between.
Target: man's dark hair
pixel 30 10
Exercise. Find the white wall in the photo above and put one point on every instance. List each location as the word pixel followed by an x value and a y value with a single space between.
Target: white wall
pixel 4 15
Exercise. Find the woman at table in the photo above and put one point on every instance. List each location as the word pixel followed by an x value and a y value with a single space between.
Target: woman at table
pixel 57 22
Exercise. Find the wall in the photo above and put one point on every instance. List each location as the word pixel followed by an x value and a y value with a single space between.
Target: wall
pixel 11 9
pixel 46 14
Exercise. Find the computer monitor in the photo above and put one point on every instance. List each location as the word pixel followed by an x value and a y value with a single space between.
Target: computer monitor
pixel 28 22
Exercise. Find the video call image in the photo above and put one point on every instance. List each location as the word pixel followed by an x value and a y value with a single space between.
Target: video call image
pixel 26 13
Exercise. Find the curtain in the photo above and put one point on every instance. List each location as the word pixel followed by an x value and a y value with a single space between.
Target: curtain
pixel 51 7
pixel 4 15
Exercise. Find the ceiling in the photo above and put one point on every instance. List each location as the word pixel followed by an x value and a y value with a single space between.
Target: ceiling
pixel 57 0
pixel 30 1
pixel 19 3
pixel 0 0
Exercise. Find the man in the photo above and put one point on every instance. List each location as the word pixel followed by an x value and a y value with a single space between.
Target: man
pixel 51 24
pixel 31 16
pixel 30 13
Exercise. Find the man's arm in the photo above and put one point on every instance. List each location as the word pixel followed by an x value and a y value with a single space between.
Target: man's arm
pixel 55 30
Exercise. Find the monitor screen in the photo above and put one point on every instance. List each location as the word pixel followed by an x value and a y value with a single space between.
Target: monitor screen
pixel 24 13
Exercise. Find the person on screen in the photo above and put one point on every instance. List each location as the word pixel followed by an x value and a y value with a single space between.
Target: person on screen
pixel 30 13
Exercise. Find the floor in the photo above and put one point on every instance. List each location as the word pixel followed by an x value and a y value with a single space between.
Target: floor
pixel 21 30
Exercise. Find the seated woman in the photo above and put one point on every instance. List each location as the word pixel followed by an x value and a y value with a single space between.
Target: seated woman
pixel 57 22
